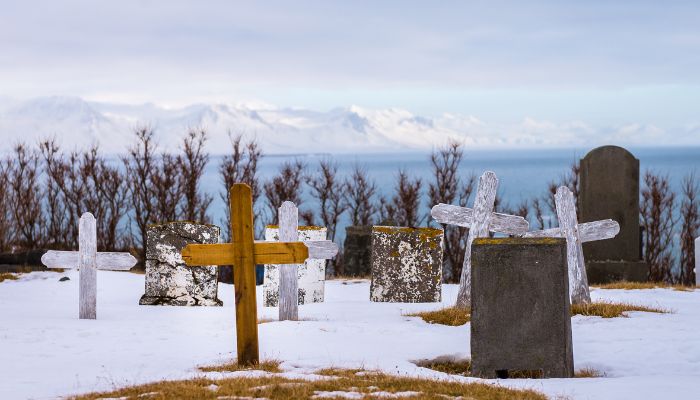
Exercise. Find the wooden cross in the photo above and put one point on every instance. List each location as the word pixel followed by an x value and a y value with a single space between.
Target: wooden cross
pixel 480 220
pixel 575 235
pixel 288 216
pixel 244 253
pixel 88 261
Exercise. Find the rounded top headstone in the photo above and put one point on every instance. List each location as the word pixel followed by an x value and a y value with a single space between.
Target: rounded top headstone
pixel 609 151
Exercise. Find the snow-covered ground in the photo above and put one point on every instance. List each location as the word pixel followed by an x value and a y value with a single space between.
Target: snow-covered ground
pixel 46 352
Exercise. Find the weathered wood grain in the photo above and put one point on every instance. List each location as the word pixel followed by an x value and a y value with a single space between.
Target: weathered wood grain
pixel 588 231
pixel 462 216
pixel 244 274
pixel 479 227
pixel 87 249
pixel 265 252
pixel 113 261
pixel 566 214
pixel 288 216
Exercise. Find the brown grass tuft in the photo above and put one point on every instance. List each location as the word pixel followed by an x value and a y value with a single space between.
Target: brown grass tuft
pixel 8 276
pixel 366 385
pixel 268 366
pixel 589 372
pixel 611 310
pixel 625 285
pixel 448 365
pixel 451 316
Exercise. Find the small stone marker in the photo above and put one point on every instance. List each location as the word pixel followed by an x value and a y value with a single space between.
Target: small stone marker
pixel 406 264
pixel 609 188
pixel 520 318
pixel 88 261
pixel 575 235
pixel 480 220
pixel 244 253
pixel 357 251
pixel 168 280
pixel 311 275
pixel 697 262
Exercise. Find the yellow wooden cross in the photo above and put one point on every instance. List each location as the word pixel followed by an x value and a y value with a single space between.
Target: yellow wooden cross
pixel 244 253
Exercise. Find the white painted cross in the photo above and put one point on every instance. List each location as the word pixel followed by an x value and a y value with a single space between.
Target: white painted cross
pixel 575 235
pixel 88 261
pixel 480 220
pixel 288 216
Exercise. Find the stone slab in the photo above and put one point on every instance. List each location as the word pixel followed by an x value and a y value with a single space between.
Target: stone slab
pixel 168 280
pixel 601 272
pixel 311 274
pixel 406 264
pixel 520 318
pixel 357 251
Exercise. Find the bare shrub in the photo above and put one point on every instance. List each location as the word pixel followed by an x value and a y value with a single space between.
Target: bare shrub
pixel 328 190
pixel 407 200
pixel 5 226
pixel 25 198
pixel 657 219
pixel 690 228
pixel 448 188
pixel 570 179
pixel 286 186
pixel 240 166
pixel 192 162
pixel 57 236
pixel 358 197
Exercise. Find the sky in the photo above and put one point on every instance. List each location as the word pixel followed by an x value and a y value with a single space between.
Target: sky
pixel 601 62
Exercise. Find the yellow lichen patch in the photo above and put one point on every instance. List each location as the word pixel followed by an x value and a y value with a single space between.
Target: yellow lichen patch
pixel 299 228
pixel 425 233
pixel 268 365
pixel 625 285
pixel 452 316
pixel 606 309
pixel 518 241
pixel 354 384
pixel 6 276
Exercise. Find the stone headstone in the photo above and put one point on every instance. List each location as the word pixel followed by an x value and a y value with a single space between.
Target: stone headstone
pixel 520 321
pixel 609 188
pixel 406 264
pixel 357 251
pixel 311 275
pixel 168 280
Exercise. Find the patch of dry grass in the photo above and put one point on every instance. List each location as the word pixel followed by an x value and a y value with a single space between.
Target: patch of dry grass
pixel 359 384
pixel 268 365
pixel 611 310
pixel 625 285
pixel 6 276
pixel 448 365
pixel 589 373
pixel 451 316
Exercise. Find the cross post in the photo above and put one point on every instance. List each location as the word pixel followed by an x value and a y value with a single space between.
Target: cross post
pixel 576 234
pixel 88 261
pixel 480 220
pixel 244 253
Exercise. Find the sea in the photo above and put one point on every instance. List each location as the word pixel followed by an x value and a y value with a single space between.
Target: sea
pixel 523 174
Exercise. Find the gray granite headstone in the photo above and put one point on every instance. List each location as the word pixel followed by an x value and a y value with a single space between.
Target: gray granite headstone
pixel 609 188
pixel 168 280
pixel 357 251
pixel 520 318
pixel 406 264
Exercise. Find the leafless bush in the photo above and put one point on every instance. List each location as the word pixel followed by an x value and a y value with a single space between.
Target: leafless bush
pixel 5 226
pixel 328 190
pixel 192 163
pixel 358 197
pixel 690 228
pixel 286 186
pixel 448 188
pixel 570 179
pixel 240 166
pixel 404 208
pixel 25 197
pixel 656 212
pixel 57 236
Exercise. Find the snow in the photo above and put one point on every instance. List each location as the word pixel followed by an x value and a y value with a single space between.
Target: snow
pixel 47 352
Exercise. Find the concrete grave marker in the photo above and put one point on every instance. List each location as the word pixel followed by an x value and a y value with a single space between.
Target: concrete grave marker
pixel 520 319
pixel 575 235
pixel 168 280
pixel 406 264
pixel 244 253
pixel 480 220
pixel 311 274
pixel 357 251
pixel 88 260
pixel 609 188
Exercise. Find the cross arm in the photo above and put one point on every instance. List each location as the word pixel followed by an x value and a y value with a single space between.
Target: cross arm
pixel 462 216
pixel 115 261
pixel 588 231
pixel 264 252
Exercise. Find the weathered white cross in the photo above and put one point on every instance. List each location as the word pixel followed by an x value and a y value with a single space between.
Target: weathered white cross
pixel 288 216
pixel 480 220
pixel 575 235
pixel 88 261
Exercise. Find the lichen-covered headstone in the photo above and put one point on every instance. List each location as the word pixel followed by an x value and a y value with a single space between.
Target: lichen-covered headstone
pixel 168 280
pixel 520 321
pixel 406 264
pixel 311 274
